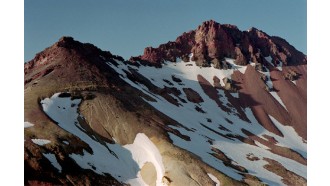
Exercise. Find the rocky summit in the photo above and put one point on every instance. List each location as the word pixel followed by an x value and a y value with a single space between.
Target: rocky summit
pixel 217 106
pixel 212 42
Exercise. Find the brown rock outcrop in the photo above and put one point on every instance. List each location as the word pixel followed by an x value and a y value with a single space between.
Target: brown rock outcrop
pixel 192 95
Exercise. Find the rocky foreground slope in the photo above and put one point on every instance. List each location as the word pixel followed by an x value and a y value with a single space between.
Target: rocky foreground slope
pixel 218 106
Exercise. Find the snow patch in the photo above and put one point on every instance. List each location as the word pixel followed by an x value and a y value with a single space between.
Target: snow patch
pixel 52 158
pixel 190 56
pixel 275 95
pixel 269 84
pixel 261 145
pixel 215 179
pixel 235 95
pixel 254 167
pixel 143 151
pixel 279 67
pixel 252 64
pixel 242 69
pixel 291 139
pixel 28 124
pixel 40 142
pixel 269 59
pixel 102 57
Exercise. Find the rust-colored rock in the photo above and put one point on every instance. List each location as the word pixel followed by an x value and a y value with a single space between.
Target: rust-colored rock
pixel 211 42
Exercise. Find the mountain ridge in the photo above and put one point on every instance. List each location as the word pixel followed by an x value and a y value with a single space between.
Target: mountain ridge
pixel 212 41
pixel 192 113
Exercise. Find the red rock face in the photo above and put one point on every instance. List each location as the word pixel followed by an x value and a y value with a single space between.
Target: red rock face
pixel 212 41
pixel 253 95
pixel 293 96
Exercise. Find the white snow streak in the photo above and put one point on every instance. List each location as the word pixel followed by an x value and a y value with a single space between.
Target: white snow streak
pixel 277 97
pixel 261 145
pixel 40 142
pixel 279 67
pixel 291 139
pixel 52 158
pixel 215 179
pixel 269 83
pixel 28 124
pixel 269 59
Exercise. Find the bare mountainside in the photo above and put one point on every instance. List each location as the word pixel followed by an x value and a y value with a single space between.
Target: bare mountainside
pixel 218 106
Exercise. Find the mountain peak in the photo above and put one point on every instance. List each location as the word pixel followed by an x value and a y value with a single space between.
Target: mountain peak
pixel 66 41
pixel 65 48
pixel 209 23
pixel 253 29
pixel 212 42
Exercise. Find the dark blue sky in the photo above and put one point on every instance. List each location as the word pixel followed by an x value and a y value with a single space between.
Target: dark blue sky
pixel 126 27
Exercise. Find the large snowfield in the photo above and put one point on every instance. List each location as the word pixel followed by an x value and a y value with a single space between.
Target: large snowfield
pixel 204 127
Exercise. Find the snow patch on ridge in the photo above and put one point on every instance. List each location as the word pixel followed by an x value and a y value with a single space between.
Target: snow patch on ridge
pixel 242 69
pixel 40 142
pixel 187 70
pixel 269 84
pixel 270 61
pixel 28 124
